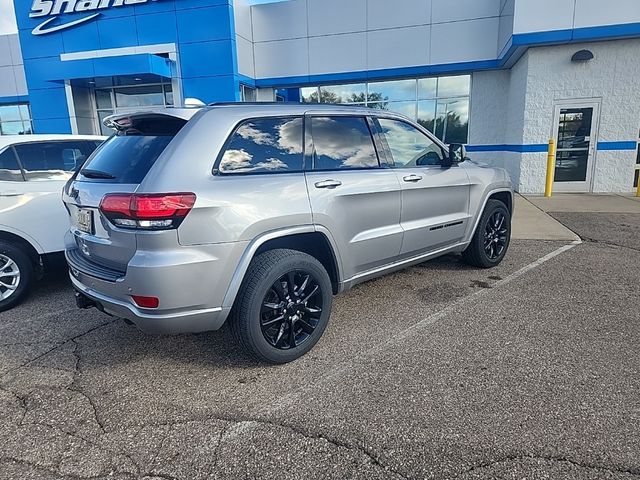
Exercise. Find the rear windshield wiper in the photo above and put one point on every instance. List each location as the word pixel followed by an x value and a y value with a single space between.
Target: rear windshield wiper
pixel 96 174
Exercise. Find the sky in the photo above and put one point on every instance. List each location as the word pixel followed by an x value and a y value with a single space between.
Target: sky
pixel 7 17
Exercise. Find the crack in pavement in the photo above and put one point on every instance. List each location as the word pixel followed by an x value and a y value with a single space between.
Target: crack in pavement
pixel 53 349
pixel 609 244
pixel 550 458
pixel 75 387
pixel 227 433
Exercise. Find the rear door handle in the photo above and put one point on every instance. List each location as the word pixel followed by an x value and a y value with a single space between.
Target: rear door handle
pixel 10 194
pixel 328 184
pixel 412 178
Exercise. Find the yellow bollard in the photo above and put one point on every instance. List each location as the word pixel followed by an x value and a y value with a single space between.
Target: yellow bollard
pixel 638 189
pixel 551 167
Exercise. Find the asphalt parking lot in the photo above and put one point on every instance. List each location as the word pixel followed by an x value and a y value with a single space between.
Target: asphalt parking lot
pixel 530 370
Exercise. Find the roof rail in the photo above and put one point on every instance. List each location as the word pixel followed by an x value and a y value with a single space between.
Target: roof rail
pixel 223 104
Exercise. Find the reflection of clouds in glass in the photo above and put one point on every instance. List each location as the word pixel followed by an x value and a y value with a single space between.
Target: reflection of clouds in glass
pixel 290 136
pixel 240 160
pixel 249 132
pixel 453 86
pixel 459 107
pixel 272 164
pixel 266 144
pixel 393 90
pixel 235 160
pixel 342 144
pixel 406 143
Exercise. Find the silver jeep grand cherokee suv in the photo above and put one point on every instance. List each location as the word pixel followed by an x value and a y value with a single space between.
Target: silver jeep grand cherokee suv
pixel 259 213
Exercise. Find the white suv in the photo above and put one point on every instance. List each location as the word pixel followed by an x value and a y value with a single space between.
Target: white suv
pixel 33 220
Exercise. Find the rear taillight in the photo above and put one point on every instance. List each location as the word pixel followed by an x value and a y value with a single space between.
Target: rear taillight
pixel 157 211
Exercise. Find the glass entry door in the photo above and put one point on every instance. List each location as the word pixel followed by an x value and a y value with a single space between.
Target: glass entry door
pixel 575 133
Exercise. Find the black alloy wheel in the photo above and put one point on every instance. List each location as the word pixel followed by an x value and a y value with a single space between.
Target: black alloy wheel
pixel 495 235
pixel 490 241
pixel 291 310
pixel 283 305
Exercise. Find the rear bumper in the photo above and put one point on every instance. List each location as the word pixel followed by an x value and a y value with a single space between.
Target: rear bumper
pixel 188 321
pixel 190 282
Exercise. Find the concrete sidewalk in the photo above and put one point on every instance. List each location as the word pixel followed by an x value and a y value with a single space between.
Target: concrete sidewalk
pixel 532 223
pixel 587 203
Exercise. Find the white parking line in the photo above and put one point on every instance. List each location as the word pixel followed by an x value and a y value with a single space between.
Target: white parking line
pixel 411 331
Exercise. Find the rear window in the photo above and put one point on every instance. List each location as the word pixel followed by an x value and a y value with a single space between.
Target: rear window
pixel 127 156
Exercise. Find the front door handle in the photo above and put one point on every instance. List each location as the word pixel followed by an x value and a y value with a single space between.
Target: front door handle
pixel 11 193
pixel 412 178
pixel 328 184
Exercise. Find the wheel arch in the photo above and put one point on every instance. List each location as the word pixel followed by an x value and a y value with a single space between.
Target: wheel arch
pixel 505 195
pixel 24 244
pixel 306 239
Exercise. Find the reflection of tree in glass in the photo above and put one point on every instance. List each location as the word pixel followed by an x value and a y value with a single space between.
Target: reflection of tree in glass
pixel 330 97
pixel 453 129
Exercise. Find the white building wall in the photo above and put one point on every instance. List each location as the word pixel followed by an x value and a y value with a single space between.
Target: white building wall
pixel 547 15
pixel 497 119
pixel 311 37
pixel 612 78
pixel 12 79
pixel 516 107
pixel 244 37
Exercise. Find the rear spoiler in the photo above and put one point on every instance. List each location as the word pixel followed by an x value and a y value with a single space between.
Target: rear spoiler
pixel 148 122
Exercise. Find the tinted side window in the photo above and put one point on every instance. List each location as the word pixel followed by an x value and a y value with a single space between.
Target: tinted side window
pixel 341 143
pixel 9 169
pixel 409 146
pixel 264 145
pixel 53 160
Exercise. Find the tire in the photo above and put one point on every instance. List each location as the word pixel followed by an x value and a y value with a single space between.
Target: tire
pixel 476 253
pixel 262 300
pixel 16 275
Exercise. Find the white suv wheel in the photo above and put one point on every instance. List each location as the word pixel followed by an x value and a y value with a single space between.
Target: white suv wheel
pixel 9 277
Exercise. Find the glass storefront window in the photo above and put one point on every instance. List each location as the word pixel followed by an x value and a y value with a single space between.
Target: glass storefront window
pixel 453 86
pixel 247 94
pixel 353 93
pixel 126 98
pixel 146 96
pixel 393 91
pixel 168 94
pixel 427 114
pixel 103 99
pixel 440 104
pixel 10 113
pixel 405 108
pixel 427 88
pixel 452 120
pixel 15 119
pixel 309 95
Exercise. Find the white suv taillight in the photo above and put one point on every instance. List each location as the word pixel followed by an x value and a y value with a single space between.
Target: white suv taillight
pixel 157 211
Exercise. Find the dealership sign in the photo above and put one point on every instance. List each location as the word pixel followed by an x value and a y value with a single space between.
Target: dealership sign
pixel 51 10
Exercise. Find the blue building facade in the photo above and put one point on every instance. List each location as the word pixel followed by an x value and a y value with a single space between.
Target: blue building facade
pixel 126 43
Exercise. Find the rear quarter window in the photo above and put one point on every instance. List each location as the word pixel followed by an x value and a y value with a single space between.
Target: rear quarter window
pixel 264 145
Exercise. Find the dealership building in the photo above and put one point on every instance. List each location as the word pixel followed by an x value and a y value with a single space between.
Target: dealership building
pixel 502 76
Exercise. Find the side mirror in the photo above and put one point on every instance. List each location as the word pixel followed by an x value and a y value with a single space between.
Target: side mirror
pixel 457 154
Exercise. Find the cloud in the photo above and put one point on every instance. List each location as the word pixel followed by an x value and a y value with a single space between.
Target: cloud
pixel 240 161
pixel 7 17
pixel 290 136
pixel 235 160
pixel 343 144
pixel 250 132
pixel 408 144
